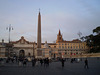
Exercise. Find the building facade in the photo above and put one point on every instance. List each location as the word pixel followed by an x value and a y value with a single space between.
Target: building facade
pixel 63 48
pixel 2 49
pixel 24 48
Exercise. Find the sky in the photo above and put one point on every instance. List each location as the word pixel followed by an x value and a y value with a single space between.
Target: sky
pixel 70 16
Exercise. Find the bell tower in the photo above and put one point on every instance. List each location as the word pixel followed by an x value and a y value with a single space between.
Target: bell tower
pixel 59 37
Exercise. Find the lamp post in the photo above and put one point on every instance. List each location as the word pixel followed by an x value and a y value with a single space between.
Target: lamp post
pixel 9 28
pixel 79 34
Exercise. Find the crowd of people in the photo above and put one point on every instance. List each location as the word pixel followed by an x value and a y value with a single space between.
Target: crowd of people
pixel 22 61
pixel 44 62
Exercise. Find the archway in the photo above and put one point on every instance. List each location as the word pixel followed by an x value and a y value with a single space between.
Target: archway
pixel 21 53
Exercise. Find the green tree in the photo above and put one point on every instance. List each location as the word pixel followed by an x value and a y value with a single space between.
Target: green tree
pixel 93 40
pixel 97 30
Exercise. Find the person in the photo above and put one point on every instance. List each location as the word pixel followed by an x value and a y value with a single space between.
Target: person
pixel 24 62
pixel 33 62
pixel 12 59
pixel 47 62
pixel 16 59
pixel 20 60
pixel 41 61
pixel 72 60
pixel 86 63
pixel 37 62
pixel 44 62
pixel 62 61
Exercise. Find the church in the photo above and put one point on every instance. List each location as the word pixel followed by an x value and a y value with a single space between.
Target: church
pixel 60 49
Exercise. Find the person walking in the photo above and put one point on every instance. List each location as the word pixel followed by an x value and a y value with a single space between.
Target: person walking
pixel 86 63
pixel 24 62
pixel 44 62
pixel 41 61
pixel 62 61
pixel 33 62
pixel 47 62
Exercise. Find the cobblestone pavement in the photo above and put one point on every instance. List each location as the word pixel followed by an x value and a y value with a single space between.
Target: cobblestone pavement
pixel 54 68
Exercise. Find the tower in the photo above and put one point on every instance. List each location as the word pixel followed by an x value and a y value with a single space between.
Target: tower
pixel 39 31
pixel 59 37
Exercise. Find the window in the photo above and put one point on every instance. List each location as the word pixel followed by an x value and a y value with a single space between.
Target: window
pixel 62 46
pixel 71 47
pixel 59 46
pixel 68 47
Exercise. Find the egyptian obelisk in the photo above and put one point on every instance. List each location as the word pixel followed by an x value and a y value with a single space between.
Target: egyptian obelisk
pixel 39 31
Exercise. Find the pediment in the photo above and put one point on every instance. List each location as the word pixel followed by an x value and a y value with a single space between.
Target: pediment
pixel 21 41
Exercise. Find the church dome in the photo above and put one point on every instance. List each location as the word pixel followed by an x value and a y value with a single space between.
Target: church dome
pixel 46 45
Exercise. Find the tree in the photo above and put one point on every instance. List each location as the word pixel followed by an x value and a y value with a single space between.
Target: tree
pixel 93 41
pixel 82 38
pixel 97 30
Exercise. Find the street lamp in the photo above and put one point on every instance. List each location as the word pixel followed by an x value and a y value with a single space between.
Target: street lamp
pixel 79 34
pixel 9 28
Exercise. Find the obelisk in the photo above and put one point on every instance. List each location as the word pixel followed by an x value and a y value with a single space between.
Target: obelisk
pixel 39 31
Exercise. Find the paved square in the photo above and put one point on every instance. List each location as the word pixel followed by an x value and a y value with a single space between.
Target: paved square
pixel 54 68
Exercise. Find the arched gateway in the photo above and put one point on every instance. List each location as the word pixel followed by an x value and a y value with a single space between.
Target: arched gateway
pixel 21 53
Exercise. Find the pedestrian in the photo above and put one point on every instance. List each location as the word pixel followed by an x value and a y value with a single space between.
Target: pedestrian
pixel 19 62
pixel 41 61
pixel 72 60
pixel 24 62
pixel 37 62
pixel 44 62
pixel 16 59
pixel 32 62
pixel 62 61
pixel 86 63
pixel 47 62
pixel 12 59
